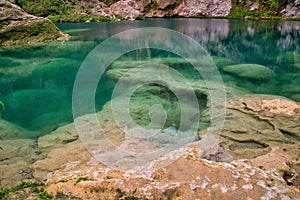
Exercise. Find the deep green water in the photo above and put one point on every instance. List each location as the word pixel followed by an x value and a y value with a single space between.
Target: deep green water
pixel 36 82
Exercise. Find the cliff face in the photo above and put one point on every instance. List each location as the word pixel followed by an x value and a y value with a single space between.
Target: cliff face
pixel 130 9
pixel 18 27
pixel 292 9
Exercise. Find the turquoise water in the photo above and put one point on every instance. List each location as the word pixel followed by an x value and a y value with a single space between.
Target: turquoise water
pixel 36 82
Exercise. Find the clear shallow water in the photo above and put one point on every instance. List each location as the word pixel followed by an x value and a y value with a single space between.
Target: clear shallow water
pixel 36 81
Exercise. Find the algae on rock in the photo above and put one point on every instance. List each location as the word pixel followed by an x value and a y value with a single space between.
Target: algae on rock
pixel 250 71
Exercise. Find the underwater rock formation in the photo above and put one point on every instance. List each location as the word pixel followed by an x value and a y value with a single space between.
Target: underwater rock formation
pixel 268 139
pixel 255 123
pixel 251 71
pixel 18 27
pixel 18 110
pixel 10 131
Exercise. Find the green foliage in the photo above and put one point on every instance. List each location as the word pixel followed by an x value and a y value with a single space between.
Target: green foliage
pixel 131 198
pixel 77 18
pixel 61 11
pixel 82 179
pixel 40 31
pixel 4 23
pixel 35 188
pixel 45 7
pixel 140 17
pixel 274 4
pixel 268 9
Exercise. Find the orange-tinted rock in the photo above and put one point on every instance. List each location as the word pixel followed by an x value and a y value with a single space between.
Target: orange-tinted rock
pixel 186 178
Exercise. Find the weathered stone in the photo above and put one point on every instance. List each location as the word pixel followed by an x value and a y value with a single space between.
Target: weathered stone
pixel 59 137
pixel 12 173
pixel 292 10
pixel 254 124
pixel 127 9
pixel 11 131
pixel 203 8
pixel 18 149
pixel 188 177
pixel 130 9
pixel 18 27
pixel 58 158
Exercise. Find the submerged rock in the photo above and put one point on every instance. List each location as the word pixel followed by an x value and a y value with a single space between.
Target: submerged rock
pixel 9 130
pixel 67 156
pixel 253 124
pixel 250 71
pixel 18 27
pixel 59 137
pixel 23 106
pixel 16 149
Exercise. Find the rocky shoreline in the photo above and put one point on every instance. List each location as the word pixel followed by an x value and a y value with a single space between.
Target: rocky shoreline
pixel 18 27
pixel 257 156
pixel 264 160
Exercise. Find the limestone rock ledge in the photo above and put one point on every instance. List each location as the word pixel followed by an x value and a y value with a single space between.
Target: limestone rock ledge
pixel 189 177
pixel 18 27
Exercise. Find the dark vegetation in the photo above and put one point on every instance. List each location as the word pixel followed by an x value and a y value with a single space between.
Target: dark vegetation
pixel 62 10
pixel 268 9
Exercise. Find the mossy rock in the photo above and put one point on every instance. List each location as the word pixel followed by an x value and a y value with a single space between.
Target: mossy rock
pixel 48 122
pixel 250 71
pixel 221 62
pixel 35 32
pixel 56 73
pixel 24 105
pixel 19 27
pixel 69 49
pixel 6 62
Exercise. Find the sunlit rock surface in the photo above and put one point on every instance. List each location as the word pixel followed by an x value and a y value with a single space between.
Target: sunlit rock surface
pixel 187 177
pixel 260 133
pixel 130 9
